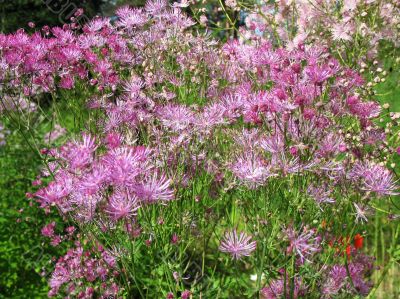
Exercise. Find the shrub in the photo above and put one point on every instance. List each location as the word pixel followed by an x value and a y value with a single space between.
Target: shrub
pixel 203 168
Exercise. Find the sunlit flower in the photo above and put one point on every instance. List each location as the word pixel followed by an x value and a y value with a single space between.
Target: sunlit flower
pixel 236 245
pixel 122 205
pixel 251 170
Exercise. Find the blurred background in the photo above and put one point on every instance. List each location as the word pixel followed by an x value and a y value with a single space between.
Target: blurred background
pixel 15 14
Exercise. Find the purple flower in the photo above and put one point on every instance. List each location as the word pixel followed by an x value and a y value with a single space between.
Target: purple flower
pixel 60 276
pixel 92 182
pixel 130 17
pixel 54 192
pixel 67 82
pixel 375 178
pixel 80 154
pixel 335 281
pixel 273 144
pixel 330 145
pixel 113 140
pixel 133 87
pixel 236 245
pixel 155 6
pixel 363 110
pixel 320 195
pixel 276 289
pixel 56 241
pixel 303 244
pixel 318 74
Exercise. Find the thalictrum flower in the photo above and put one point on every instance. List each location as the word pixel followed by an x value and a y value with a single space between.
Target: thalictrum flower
pixel 304 244
pixel 361 213
pixel 122 205
pixel 251 170
pixel 237 245
pixel 153 189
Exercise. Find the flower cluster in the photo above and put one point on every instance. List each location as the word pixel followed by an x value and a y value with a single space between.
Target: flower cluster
pixel 361 26
pixel 186 138
pixel 78 265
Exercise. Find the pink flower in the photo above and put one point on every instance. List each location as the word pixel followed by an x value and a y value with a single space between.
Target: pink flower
pixel 236 245
pixel 70 230
pixel 174 239
pixel 277 289
pixel 293 151
pixel 251 170
pixel 56 241
pixel 186 294
pixel 67 82
pixel 341 31
pixel 48 230
pixel 309 113
pixel 125 165
pixel 131 17
pixel 80 154
pixel 318 74
pixel 113 140
pixel 155 6
pixel 203 20
pixel 54 193
pixel 93 181
pixel 122 205
pixel 154 189
pixel 176 117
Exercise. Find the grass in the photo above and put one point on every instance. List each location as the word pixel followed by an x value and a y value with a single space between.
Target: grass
pixel 386 231
pixel 22 255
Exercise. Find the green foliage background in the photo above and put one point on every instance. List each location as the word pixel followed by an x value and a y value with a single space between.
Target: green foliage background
pixel 16 14
pixel 22 250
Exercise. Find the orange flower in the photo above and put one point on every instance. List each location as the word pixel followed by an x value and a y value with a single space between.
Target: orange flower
pixel 323 224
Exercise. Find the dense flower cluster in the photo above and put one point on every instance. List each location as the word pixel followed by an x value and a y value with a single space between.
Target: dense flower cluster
pixel 352 29
pixel 79 265
pixel 189 137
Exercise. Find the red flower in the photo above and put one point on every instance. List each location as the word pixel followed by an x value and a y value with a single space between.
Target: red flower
pixel 358 241
pixel 348 251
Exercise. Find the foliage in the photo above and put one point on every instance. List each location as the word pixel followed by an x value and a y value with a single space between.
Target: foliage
pixel 23 255
pixel 55 13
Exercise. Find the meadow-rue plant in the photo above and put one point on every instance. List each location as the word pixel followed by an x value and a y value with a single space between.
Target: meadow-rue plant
pixel 200 162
